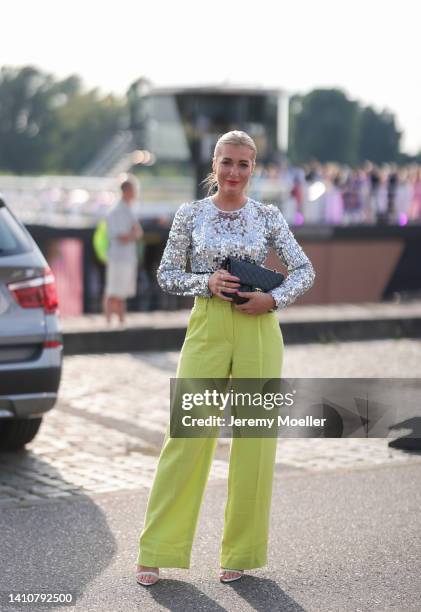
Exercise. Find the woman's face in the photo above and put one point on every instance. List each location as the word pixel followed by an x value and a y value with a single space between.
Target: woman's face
pixel 233 166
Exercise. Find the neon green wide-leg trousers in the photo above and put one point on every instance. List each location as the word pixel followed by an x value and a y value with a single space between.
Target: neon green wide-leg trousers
pixel 219 341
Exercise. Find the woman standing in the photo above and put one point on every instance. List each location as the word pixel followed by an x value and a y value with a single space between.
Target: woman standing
pixel 222 338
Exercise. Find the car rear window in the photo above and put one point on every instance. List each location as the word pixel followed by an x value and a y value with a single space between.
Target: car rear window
pixel 13 239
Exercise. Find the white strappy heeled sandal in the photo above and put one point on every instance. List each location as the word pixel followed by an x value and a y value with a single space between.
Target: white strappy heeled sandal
pixel 145 573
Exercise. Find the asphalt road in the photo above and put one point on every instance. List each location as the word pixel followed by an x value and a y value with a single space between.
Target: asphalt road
pixel 343 540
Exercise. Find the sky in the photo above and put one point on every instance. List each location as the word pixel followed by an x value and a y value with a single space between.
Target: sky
pixel 370 49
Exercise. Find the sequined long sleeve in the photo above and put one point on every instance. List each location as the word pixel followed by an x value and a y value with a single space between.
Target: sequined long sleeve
pixel 171 275
pixel 205 235
pixel 301 274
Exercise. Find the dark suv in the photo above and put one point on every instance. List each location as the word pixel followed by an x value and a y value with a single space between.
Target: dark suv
pixel 30 335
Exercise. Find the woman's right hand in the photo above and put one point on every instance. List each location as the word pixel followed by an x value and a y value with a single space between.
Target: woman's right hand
pixel 222 280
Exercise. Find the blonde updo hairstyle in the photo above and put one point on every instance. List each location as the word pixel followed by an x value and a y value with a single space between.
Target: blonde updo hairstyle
pixel 236 137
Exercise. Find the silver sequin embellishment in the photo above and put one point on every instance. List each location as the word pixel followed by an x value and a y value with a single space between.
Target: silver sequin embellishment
pixel 204 235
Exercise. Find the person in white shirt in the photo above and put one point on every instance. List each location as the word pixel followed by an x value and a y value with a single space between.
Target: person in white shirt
pixel 124 231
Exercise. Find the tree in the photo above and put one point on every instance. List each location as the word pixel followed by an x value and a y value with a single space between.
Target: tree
pixel 27 101
pixel 137 111
pixel 52 126
pixel 378 137
pixel 324 125
pixel 85 124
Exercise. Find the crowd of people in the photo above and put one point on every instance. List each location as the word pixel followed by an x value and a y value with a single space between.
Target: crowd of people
pixel 315 193
pixel 339 195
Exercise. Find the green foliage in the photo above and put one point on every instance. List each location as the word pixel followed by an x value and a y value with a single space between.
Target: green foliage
pixel 406 158
pixel 324 126
pixel 52 126
pixel 137 114
pixel 26 119
pixel 85 124
pixel 378 137
pixel 327 126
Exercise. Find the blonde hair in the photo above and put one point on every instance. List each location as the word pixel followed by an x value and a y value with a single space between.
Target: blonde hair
pixel 236 137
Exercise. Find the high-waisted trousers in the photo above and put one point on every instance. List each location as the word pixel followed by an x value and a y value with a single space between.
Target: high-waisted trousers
pixel 220 341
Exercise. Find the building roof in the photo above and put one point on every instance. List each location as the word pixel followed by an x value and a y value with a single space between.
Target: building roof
pixel 215 88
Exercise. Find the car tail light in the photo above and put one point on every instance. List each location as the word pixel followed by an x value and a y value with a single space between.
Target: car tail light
pixel 39 292
pixel 52 343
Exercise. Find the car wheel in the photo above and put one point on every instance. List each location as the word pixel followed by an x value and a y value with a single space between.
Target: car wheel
pixel 15 433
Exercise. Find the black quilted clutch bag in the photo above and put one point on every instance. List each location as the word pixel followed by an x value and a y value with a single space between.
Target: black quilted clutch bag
pixel 252 277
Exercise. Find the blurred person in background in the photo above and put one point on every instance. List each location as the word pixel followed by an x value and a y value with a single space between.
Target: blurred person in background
pixel 123 231
pixel 334 203
pixel 289 192
pixel 382 196
pixel 374 182
pixel 355 192
pixel 392 184
pixel 403 196
pixel 362 190
pixel 314 206
pixel 415 210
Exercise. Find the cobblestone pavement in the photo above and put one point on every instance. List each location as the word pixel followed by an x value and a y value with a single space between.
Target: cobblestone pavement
pixel 107 428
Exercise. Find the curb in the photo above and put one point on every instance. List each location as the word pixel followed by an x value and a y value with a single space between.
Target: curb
pixel 137 339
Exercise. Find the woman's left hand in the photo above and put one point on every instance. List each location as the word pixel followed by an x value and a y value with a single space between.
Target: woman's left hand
pixel 259 303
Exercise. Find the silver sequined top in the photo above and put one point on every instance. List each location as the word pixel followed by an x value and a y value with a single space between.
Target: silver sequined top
pixel 204 234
